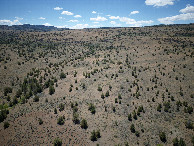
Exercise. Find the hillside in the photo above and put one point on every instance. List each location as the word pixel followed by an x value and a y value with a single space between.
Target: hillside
pixel 132 86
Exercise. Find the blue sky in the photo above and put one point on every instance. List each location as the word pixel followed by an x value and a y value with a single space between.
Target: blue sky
pixel 96 13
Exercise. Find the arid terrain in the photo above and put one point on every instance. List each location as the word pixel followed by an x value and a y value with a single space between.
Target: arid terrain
pixel 132 86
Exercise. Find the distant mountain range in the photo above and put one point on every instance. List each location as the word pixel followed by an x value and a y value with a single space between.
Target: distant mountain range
pixel 28 27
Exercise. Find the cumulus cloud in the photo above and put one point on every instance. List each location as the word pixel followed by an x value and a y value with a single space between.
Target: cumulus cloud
pixel 42 18
pixel 134 12
pixel 77 16
pixel 188 9
pixel 9 22
pixel 134 22
pixel 99 18
pixel 47 24
pixel 66 13
pixel 159 3
pixel 170 20
pixel 58 8
pixel 80 26
pixel 188 14
pixel 114 17
pixel 93 12
pixel 73 21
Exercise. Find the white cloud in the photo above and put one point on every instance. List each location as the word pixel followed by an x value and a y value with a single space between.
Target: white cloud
pixel 80 26
pixel 42 18
pixel 113 22
pixel 96 22
pixel 77 16
pixel 93 12
pixel 64 26
pixel 188 9
pixel 99 18
pixel 18 18
pixel 134 12
pixel 58 8
pixel 114 17
pixel 47 24
pixel 134 22
pixel 170 20
pixel 73 21
pixel 159 3
pixel 67 13
pixel 9 22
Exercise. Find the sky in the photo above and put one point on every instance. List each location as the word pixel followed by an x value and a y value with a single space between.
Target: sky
pixel 78 14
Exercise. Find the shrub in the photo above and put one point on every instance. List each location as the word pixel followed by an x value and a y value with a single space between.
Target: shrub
pixel 119 96
pixel 18 93
pixel 116 101
pixel 129 117
pixel 93 136
pixel 6 125
pixel 162 136
pixel 57 142
pixel 98 134
pixel 15 100
pixel 177 142
pixel 159 107
pixel 132 128
pixel 114 109
pixel 36 98
pixel 3 114
pixel 60 120
pixel 134 115
pixel 182 142
pixel 102 95
pixel 189 124
pixel 7 90
pixel 99 88
pixel 166 106
pixel 61 107
pixel 76 118
pixel 62 75
pixel 107 94
pixel 51 90
pixel 55 111
pixel 137 133
pixel 92 108
pixel 23 100
pixel 84 124
pixel 40 121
